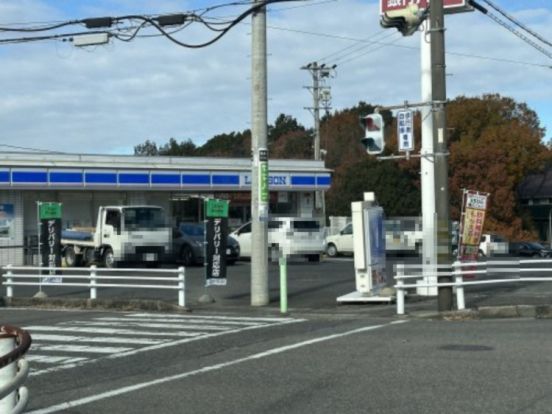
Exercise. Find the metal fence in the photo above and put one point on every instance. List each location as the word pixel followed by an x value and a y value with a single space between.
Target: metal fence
pixel 517 271
pixel 14 343
pixel 93 278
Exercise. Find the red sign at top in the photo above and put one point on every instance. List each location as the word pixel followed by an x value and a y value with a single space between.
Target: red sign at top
pixel 450 5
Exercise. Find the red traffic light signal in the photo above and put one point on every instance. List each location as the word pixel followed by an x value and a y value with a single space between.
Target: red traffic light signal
pixel 373 139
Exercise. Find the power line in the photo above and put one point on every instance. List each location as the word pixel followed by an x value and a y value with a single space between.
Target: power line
pixel 359 40
pixel 518 23
pixel 510 28
pixel 147 21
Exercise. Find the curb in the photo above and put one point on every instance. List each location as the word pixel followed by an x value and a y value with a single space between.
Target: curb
pixel 488 312
pixel 100 304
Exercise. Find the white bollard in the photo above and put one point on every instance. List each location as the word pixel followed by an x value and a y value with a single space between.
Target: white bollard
pixel 93 291
pixel 181 286
pixel 459 280
pixel 7 344
pixel 400 289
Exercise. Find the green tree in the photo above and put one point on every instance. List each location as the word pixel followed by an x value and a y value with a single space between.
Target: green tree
pixel 393 187
pixel 183 149
pixel 148 148
pixel 494 143
pixel 232 145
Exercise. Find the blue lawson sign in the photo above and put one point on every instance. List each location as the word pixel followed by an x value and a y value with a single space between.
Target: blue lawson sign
pixel 59 178
pixel 280 180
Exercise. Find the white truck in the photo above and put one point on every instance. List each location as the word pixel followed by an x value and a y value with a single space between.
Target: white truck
pixel 122 234
pixel 493 244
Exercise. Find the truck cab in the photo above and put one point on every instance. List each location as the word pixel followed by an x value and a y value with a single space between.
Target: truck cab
pixel 122 234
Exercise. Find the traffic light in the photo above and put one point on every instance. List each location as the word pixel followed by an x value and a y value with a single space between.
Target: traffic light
pixel 373 139
pixel 405 20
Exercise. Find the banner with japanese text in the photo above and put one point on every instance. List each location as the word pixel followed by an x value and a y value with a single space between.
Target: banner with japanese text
pixel 216 237
pixel 49 215
pixel 474 208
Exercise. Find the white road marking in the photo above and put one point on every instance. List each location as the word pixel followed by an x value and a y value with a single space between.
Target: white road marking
pixel 108 331
pixel 49 359
pixel 213 317
pixel 113 393
pixel 159 346
pixel 100 339
pixel 152 325
pixel 134 318
pixel 79 348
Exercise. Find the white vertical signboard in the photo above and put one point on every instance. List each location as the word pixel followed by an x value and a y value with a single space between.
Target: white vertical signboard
pixel 405 128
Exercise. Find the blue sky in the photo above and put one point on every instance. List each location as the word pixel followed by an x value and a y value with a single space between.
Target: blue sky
pixel 107 99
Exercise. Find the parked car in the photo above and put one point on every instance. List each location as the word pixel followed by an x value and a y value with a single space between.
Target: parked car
pixel 530 249
pixel 403 235
pixel 296 236
pixel 189 245
pixel 340 243
pixel 493 244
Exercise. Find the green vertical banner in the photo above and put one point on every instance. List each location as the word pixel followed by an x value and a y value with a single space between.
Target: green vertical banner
pixel 50 240
pixel 263 184
pixel 216 235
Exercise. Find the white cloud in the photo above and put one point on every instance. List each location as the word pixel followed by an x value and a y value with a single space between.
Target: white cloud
pixel 110 98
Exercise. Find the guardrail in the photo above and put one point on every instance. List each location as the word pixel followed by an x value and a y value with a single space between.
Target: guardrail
pixel 94 278
pixel 459 270
pixel 14 343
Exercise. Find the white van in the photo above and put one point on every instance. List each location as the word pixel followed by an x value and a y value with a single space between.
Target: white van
pixel 297 236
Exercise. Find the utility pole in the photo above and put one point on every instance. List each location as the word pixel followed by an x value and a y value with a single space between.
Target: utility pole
pixel 259 168
pixel 427 170
pixel 439 96
pixel 321 94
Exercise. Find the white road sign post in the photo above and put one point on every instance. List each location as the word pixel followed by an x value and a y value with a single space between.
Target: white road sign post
pixel 405 127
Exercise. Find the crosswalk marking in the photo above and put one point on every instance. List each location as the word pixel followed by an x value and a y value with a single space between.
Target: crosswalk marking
pixel 213 317
pixel 81 348
pixel 108 331
pixel 53 359
pixel 158 325
pixel 70 344
pixel 173 320
pixel 103 340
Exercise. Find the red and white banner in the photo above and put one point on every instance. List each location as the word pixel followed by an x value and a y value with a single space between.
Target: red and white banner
pixel 451 6
pixel 474 207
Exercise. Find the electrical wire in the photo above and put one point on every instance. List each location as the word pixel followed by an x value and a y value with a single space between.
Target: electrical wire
pixel 355 49
pixel 518 23
pixel 496 19
pixel 148 21
pixel 32 149
pixel 358 40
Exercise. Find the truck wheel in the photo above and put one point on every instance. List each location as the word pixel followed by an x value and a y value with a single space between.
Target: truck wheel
pixel 71 258
pixel 108 258
pixel 187 255
pixel 331 250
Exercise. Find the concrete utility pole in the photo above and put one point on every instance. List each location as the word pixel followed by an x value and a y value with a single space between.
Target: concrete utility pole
pixel 259 168
pixel 439 96
pixel 321 95
pixel 427 170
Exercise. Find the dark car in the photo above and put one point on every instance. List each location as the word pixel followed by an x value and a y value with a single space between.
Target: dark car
pixel 530 249
pixel 189 245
